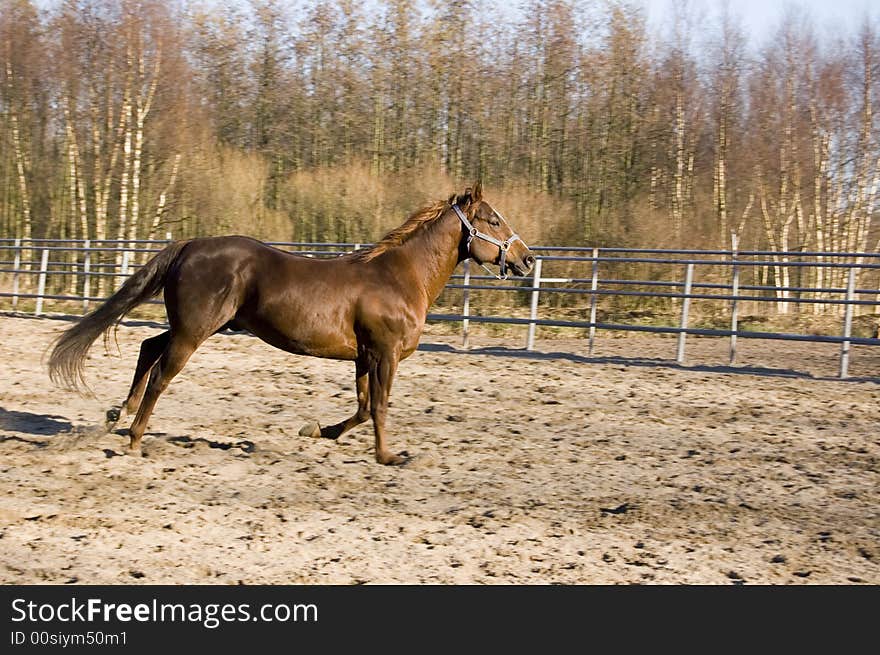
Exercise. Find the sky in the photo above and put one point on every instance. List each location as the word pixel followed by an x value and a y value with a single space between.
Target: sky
pixel 760 17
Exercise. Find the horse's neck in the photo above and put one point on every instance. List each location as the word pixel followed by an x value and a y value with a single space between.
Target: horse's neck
pixel 434 253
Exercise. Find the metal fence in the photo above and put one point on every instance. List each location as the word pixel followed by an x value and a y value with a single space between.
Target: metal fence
pixel 568 288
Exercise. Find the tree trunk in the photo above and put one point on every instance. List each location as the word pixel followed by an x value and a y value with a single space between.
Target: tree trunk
pixel 160 206
pixel 678 174
pixel 23 229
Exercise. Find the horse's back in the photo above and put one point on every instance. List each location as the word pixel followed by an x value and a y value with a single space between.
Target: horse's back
pixel 210 265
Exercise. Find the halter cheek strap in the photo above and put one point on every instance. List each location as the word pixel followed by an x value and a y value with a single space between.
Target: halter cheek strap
pixel 503 246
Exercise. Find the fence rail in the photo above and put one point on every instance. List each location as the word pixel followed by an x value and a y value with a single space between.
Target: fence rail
pixel 845 284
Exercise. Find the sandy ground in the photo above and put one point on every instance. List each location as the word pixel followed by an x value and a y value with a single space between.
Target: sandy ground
pixel 551 467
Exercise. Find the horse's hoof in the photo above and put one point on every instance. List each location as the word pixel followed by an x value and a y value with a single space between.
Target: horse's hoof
pixel 393 460
pixel 310 429
pixel 112 418
pixel 134 450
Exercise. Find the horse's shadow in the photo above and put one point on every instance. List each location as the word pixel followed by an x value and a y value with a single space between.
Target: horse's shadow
pixel 43 425
pixel 38 425
pixel 188 442
pixel 519 353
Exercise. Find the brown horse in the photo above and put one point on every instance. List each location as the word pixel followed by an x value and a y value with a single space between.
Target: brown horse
pixel 368 306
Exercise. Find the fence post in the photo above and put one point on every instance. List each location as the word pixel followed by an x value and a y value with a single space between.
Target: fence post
pixel 594 285
pixel 466 305
pixel 16 265
pixel 685 308
pixel 847 323
pixel 533 312
pixel 87 266
pixel 41 285
pixel 734 306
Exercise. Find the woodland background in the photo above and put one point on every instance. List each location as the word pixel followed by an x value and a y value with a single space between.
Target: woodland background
pixel 331 121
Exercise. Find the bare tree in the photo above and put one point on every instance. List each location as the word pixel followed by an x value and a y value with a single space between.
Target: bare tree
pixel 728 67
pixel 24 110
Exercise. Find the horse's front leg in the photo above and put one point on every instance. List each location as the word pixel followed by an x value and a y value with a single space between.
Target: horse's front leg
pixel 362 383
pixel 382 368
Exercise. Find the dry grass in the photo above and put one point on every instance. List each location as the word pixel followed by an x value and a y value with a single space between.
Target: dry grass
pixel 350 204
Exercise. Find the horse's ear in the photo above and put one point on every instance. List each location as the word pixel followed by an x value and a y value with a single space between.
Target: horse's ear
pixel 478 191
pixel 466 198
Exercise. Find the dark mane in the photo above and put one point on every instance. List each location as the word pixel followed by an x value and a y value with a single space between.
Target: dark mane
pixel 402 234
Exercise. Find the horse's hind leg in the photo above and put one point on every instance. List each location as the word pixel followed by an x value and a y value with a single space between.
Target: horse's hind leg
pixel 151 351
pixel 173 359
pixel 362 380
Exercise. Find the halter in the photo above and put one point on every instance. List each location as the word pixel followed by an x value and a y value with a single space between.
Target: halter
pixel 503 246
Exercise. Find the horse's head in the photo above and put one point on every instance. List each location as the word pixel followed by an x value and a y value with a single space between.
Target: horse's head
pixel 486 235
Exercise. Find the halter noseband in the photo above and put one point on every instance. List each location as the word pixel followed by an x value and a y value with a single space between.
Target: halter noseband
pixel 503 246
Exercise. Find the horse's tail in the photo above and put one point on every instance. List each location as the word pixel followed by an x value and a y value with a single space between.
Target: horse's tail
pixel 66 363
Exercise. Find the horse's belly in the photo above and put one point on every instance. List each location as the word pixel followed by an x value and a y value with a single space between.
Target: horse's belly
pixel 316 340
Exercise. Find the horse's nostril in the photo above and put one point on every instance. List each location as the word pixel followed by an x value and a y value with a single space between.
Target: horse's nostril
pixel 530 261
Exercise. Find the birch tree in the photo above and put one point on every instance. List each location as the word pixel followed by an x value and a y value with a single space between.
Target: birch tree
pixel 779 171
pixel 866 155
pixel 725 83
pixel 21 98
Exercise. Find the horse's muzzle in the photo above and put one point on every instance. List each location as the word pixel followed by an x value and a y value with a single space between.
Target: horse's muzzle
pixel 521 266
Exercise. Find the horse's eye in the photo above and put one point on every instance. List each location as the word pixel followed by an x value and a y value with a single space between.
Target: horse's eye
pixel 494 222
